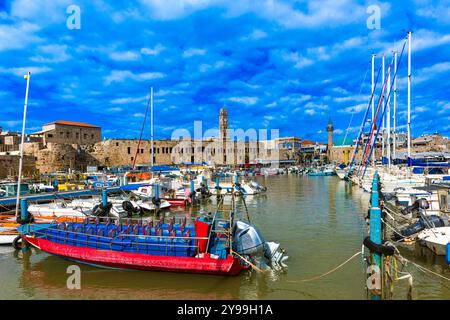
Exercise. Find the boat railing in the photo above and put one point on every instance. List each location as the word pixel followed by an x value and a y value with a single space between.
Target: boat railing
pixel 140 239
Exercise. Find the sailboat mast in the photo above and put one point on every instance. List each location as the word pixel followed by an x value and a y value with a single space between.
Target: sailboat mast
pixel 409 95
pixel 394 116
pixel 19 179
pixel 382 103
pixel 388 122
pixel 373 105
pixel 151 128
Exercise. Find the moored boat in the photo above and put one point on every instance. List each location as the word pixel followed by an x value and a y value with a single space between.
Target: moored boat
pixel 209 246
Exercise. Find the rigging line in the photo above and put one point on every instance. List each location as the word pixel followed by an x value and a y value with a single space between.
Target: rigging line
pixel 373 123
pixel 361 129
pixel 384 108
pixel 353 112
pixel 328 272
pixel 142 131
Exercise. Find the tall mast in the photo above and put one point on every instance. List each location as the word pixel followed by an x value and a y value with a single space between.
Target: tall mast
pixel 151 127
pixel 19 179
pixel 373 105
pixel 409 95
pixel 382 103
pixel 388 122
pixel 395 109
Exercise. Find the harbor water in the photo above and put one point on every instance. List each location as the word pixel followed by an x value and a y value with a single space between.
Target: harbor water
pixel 319 221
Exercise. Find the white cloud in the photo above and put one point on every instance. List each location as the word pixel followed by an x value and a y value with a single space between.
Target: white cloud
pixel 244 100
pixel 18 36
pixel 298 60
pixel 129 100
pixel 123 75
pixel 424 39
pixel 124 56
pixel 193 52
pixel 115 109
pixel 41 11
pixel 310 112
pixel 53 53
pixel 354 109
pixel 21 71
pixel 156 50
pixel 256 34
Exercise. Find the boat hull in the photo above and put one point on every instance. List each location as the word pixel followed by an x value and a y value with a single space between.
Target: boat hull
pixel 138 261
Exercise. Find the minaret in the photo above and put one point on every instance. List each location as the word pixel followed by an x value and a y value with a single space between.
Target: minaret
pixel 223 123
pixel 330 137
pixel 223 132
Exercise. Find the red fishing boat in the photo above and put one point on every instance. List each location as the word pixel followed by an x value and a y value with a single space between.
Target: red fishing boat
pixel 209 246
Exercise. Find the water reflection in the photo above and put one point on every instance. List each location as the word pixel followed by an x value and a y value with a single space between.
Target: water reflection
pixel 319 221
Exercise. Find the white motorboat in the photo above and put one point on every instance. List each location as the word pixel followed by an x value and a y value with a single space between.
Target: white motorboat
pixel 76 208
pixel 436 239
pixel 150 206
pixel 7 235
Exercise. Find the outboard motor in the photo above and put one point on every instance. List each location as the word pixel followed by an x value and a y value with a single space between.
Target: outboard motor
pixel 248 241
pixel 415 207
pixel 100 210
pixel 421 224
pixel 129 208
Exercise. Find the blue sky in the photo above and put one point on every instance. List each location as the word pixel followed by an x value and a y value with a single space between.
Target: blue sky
pixel 285 65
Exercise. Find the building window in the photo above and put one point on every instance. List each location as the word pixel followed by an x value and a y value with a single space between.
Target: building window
pixel 77 135
pixel 67 135
pixel 117 144
pixel 129 150
pixel 132 158
pixel 92 136
pixel 85 136
pixel 50 135
pixel 142 150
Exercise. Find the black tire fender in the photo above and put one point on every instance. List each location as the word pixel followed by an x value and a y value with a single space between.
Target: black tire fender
pixel 386 250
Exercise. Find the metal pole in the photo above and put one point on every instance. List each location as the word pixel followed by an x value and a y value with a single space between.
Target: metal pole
pixel 373 105
pixel 395 108
pixel 151 128
pixel 104 198
pixel 388 124
pixel 375 230
pixel 409 95
pixel 19 179
pixel 382 103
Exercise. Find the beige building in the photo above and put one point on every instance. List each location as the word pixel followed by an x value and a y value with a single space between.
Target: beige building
pixel 69 132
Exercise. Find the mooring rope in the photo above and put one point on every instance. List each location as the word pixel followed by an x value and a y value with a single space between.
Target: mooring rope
pixel 425 270
pixel 246 260
pixel 328 272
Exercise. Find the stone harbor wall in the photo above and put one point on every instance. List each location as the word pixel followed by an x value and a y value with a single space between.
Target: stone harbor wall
pixel 9 166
